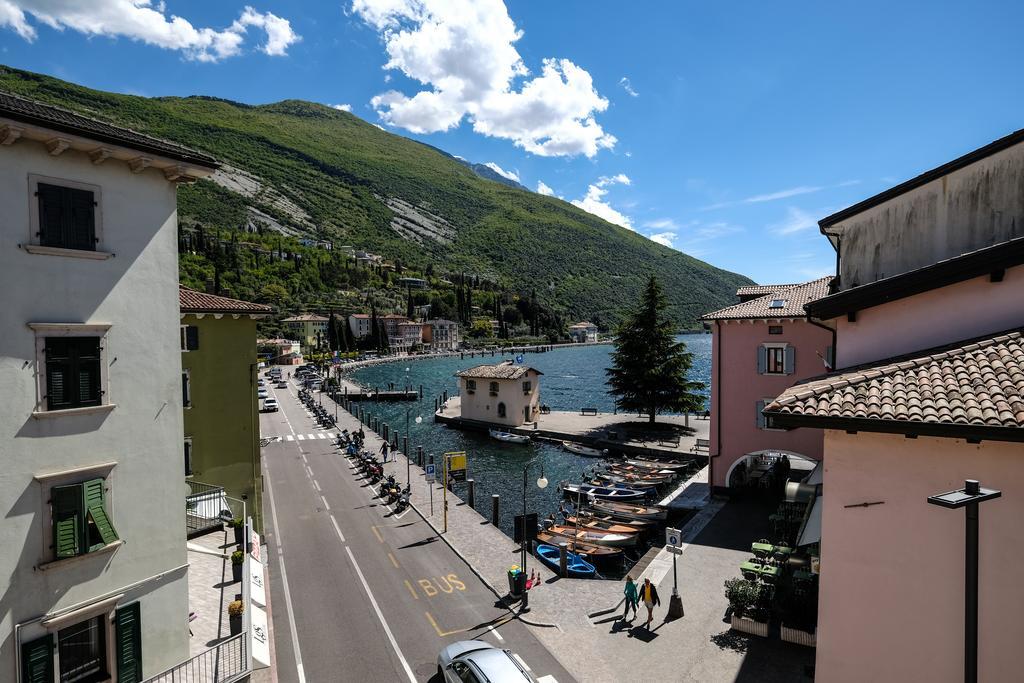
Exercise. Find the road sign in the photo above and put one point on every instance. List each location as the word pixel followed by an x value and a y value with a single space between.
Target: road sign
pixel 519 358
pixel 428 469
pixel 530 526
pixel 456 465
pixel 673 537
pixel 674 549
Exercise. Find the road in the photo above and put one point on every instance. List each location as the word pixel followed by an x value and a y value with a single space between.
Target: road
pixel 358 593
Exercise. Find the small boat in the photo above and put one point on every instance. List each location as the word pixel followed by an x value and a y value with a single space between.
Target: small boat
pixel 603 492
pixel 587 522
pixel 631 482
pixel 627 511
pixel 591 550
pixel 601 517
pixel 674 465
pixel 580 449
pixel 642 472
pixel 598 536
pixel 508 437
pixel 577 567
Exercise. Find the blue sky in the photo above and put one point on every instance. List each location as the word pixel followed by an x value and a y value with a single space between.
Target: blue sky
pixel 723 129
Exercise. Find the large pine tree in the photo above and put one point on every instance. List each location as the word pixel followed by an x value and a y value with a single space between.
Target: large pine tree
pixel 649 367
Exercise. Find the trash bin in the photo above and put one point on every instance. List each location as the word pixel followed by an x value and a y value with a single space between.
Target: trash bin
pixel 516 582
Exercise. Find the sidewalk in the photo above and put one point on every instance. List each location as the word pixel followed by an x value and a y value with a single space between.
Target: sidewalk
pixel 601 648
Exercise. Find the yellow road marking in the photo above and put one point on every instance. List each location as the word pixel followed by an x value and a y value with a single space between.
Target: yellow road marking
pixel 440 633
pixel 377 534
pixel 393 560
pixel 411 590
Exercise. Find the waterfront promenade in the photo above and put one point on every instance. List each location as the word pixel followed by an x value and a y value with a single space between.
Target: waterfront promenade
pixel 577 619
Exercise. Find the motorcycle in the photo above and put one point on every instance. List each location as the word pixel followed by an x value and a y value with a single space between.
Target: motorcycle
pixel 403 501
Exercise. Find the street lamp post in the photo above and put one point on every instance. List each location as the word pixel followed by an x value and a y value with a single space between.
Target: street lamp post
pixel 542 483
pixel 408 458
pixel 969 497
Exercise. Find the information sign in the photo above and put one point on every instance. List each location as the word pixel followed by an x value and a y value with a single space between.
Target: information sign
pixel 429 470
pixel 457 465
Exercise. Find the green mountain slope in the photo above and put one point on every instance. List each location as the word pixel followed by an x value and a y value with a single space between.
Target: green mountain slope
pixel 316 171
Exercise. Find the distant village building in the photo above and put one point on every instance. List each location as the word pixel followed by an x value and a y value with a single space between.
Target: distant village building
pixel 283 351
pixel 359 323
pixel 759 347
pixel 308 328
pixel 409 337
pixel 413 282
pixel 504 394
pixel 441 335
pixel 583 332
pixel 367 258
pixel 928 311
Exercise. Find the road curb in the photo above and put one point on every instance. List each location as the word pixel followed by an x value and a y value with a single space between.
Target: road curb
pixel 479 575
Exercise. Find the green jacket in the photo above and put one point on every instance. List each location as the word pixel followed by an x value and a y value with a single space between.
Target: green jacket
pixel 631 594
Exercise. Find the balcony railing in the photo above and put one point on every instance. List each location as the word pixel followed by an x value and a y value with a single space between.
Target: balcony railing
pixel 203 507
pixel 223 663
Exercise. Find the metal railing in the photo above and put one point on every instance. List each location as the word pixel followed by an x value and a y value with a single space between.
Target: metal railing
pixel 204 506
pixel 223 663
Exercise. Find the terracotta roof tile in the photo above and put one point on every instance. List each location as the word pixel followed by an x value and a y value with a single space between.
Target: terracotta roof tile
pixel 977 383
pixel 305 317
pixel 501 371
pixel 192 301
pixel 793 298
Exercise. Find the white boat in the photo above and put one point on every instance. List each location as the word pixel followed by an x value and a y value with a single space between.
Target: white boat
pixel 580 449
pixel 508 437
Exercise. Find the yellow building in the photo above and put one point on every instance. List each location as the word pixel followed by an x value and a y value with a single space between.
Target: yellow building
pixel 308 328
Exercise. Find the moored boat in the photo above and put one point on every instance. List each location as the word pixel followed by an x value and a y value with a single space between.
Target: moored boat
pixel 576 566
pixel 628 511
pixel 658 464
pixel 591 550
pixel 508 437
pixel 603 517
pixel 580 449
pixel 603 492
pixel 647 487
pixel 587 522
pixel 598 536
pixel 642 472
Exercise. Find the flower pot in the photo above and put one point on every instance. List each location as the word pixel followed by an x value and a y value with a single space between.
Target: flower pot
pixel 236 624
pixel 754 628
pixel 239 534
pixel 236 573
pixel 795 635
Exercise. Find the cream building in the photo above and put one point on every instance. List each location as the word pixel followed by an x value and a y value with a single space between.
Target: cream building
pixel 95 575
pixel 504 394
pixel 308 328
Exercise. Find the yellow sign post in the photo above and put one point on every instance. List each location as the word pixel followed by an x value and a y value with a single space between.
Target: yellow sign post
pixel 454 465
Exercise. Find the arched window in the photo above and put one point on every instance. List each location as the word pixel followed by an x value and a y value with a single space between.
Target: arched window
pixel 501 410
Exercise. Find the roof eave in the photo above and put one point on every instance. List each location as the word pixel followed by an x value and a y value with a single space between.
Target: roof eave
pixel 909 428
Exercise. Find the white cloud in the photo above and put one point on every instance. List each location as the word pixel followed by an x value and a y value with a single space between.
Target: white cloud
pixel 511 175
pixel 796 221
pixel 661 224
pixel 543 189
pixel 342 107
pixel 628 87
pixel 665 238
pixel 464 52
pixel 593 201
pixel 142 21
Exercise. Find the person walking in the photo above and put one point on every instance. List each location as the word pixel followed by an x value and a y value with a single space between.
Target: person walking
pixel 649 594
pixel 384 449
pixel 631 597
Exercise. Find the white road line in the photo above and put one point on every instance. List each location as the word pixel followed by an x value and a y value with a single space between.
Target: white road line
pixel 497 635
pixel 321 435
pixel 326 506
pixel 284 583
pixel 289 437
pixel 300 437
pixel 337 528
pixel 309 472
pixel 304 459
pixel 311 437
pixel 521 662
pixel 380 615
pixel 317 485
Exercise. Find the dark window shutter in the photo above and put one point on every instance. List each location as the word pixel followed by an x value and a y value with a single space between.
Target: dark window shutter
pixel 37 660
pixel 192 338
pixel 129 643
pixel 760 416
pixel 762 360
pixel 830 359
pixel 51 215
pixel 82 223
pixel 188 458
pixel 96 509
pixel 186 398
pixel 59 381
pixel 88 371
pixel 68 519
pixel 790 360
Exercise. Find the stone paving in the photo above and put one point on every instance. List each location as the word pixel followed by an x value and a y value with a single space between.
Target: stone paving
pixel 210 589
pixel 575 618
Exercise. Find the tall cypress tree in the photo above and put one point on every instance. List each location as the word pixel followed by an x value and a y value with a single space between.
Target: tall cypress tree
pixel 649 367
pixel 332 331
pixel 374 328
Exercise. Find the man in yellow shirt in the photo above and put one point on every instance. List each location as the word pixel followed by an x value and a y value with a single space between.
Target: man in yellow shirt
pixel 649 594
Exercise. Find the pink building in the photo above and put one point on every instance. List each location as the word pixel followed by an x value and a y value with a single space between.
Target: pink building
pixel 759 347
pixel 928 308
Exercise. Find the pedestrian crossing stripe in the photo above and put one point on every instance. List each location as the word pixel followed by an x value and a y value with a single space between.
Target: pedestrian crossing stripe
pixel 321 435
pixel 289 437
pixel 300 437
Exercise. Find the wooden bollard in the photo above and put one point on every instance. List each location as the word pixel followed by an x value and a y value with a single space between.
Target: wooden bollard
pixel 387 432
pixel 494 509
pixel 563 559
pixel 419 455
pixel 421 392
pixel 472 486
pixel 435 404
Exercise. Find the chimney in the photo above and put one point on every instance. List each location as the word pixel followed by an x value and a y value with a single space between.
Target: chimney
pixel 209 286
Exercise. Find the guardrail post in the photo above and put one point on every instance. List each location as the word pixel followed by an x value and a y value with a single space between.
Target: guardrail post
pixel 563 559
pixel 494 509
pixel 472 497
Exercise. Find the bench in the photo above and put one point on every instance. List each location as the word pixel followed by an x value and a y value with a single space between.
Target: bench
pixel 588 411
pixel 669 441
pixel 701 445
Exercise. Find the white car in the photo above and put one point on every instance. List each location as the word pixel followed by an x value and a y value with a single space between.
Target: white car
pixel 270 405
pixel 262 393
pixel 475 660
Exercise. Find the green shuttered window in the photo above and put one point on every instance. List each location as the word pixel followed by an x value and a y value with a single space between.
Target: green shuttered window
pixel 72 372
pixel 37 660
pixel 129 644
pixel 67 217
pixel 80 520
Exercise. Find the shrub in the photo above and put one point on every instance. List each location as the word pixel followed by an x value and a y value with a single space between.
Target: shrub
pixel 237 557
pixel 743 596
pixel 236 608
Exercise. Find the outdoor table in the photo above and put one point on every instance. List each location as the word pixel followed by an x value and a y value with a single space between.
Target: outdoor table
pixel 803 575
pixel 770 573
pixel 750 570
pixel 781 553
pixel 762 549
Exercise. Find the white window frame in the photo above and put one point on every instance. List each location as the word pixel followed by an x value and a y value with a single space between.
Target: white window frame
pixel 187 372
pixel 766 428
pixel 44 330
pixel 775 345
pixel 33 246
pixel 190 468
pixel 47 481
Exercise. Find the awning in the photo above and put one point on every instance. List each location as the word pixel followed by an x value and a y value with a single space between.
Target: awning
pixel 817 475
pixel 811 531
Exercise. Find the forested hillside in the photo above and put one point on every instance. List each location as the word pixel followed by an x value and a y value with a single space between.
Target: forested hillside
pixel 297 169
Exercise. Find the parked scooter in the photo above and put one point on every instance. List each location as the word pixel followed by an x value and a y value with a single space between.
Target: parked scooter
pixel 403 501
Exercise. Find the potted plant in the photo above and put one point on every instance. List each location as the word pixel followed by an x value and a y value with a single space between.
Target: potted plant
pixel 236 608
pixel 239 527
pixel 746 603
pixel 237 558
pixel 800 618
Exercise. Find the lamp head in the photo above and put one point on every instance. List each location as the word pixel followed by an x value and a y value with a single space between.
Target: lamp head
pixel 419 419
pixel 542 483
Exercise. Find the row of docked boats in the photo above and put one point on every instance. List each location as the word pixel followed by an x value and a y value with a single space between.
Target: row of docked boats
pixel 632 480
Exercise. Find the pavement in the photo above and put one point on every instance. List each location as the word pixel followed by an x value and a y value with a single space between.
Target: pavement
pixel 578 618
pixel 359 593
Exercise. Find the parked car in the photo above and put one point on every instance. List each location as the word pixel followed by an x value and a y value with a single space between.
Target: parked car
pixel 262 393
pixel 260 383
pixel 475 660
pixel 270 405
pixel 281 384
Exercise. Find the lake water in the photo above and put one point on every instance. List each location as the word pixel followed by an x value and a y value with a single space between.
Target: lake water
pixel 573 378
